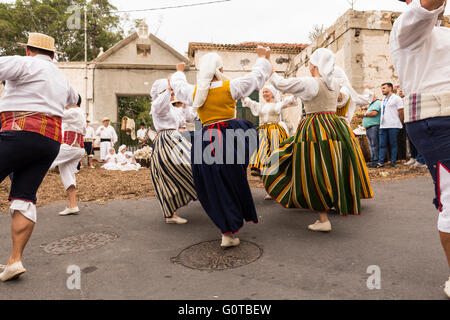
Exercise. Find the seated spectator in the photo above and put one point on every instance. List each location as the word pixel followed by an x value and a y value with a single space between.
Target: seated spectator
pixel 111 160
pixel 130 163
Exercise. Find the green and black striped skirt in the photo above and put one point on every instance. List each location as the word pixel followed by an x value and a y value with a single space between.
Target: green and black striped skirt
pixel 322 167
pixel 270 137
pixel 171 171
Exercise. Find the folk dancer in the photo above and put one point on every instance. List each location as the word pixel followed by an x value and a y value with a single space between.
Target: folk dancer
pixel 31 112
pixel 320 167
pixel 170 162
pixel 71 153
pixel 220 164
pixel 420 49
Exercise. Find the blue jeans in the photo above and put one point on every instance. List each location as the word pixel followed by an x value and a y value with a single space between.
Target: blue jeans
pixel 390 135
pixel 414 153
pixel 432 139
pixel 372 135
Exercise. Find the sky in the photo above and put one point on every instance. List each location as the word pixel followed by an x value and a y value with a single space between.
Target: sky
pixel 245 20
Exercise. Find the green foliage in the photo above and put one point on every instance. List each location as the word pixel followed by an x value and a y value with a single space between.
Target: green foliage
pixel 50 17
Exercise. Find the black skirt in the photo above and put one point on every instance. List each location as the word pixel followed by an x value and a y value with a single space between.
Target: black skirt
pixel 220 158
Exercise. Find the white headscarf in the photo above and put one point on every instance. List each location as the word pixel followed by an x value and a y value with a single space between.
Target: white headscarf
pixel 122 147
pixel 208 68
pixel 158 87
pixel 343 81
pixel 324 59
pixel 274 91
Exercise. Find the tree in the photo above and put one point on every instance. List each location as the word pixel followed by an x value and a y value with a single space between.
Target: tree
pixel 51 17
pixel 316 32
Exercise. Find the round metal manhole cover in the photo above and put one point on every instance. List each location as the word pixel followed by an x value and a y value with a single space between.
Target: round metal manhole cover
pixel 210 256
pixel 80 243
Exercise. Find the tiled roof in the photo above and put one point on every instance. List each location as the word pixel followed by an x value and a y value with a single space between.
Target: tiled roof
pixel 293 48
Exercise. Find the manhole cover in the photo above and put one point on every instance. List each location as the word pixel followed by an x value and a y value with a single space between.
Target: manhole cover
pixel 210 256
pixel 80 243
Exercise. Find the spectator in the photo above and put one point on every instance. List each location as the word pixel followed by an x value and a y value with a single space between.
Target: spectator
pixel 89 144
pixel 371 121
pixel 390 124
pixel 141 135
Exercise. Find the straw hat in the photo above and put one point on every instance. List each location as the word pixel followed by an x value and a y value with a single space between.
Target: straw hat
pixel 40 41
pixel 175 101
pixel 106 119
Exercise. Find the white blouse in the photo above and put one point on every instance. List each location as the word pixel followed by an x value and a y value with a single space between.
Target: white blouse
pixel 266 111
pixel 74 120
pixel 186 115
pixel 359 100
pixel 165 116
pixel 306 88
pixel 240 87
pixel 35 84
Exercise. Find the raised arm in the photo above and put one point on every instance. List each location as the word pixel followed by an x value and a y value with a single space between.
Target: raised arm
pixel 254 106
pixel 415 25
pixel 12 68
pixel 286 103
pixel 182 89
pixel 364 99
pixel 305 88
pixel 162 103
pixel 189 114
pixel 255 80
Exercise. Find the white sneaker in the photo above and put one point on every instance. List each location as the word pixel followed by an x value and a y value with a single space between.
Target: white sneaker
pixel 176 220
pixel 228 241
pixel 92 167
pixel 419 165
pixel 267 197
pixel 69 211
pixel 447 288
pixel 320 226
pixel 411 162
pixel 12 272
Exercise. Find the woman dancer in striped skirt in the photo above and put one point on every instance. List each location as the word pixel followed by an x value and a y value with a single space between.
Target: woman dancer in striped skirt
pixel 271 132
pixel 320 167
pixel 170 162
pixel 220 170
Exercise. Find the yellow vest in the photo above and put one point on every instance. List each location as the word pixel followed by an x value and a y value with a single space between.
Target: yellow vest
pixel 219 105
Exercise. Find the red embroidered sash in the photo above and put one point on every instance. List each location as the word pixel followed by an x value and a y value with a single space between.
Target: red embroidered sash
pixel 73 139
pixel 45 125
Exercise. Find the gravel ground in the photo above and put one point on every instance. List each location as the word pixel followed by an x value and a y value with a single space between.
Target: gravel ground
pixel 100 186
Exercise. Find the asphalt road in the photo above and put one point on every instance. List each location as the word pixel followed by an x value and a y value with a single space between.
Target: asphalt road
pixel 397 233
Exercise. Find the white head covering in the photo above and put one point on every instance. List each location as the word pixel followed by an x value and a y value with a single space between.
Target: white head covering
pixel 122 147
pixel 158 87
pixel 128 153
pixel 324 59
pixel 274 91
pixel 209 67
pixel 343 81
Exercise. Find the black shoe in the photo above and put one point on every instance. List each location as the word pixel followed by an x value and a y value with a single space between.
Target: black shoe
pixel 379 165
pixel 392 165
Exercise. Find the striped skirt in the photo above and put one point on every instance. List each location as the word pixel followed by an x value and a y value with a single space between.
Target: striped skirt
pixel 270 136
pixel 320 168
pixel 170 166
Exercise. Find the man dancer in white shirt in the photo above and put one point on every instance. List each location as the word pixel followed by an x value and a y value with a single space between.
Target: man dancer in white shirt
pixel 420 49
pixel 31 112
pixel 108 137
pixel 71 153
pixel 141 135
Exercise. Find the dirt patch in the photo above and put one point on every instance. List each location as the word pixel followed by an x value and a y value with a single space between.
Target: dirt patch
pixel 100 186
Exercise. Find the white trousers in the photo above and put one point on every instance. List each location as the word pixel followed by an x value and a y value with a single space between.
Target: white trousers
pixel 67 161
pixel 104 150
pixel 443 174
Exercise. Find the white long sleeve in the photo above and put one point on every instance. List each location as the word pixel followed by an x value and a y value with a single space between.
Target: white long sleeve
pixel 107 133
pixel 364 99
pixel 74 120
pixel 35 84
pixel 420 51
pixel 286 103
pixel 415 26
pixel 244 86
pixel 165 116
pixel 240 87
pixel 306 88
pixel 255 107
